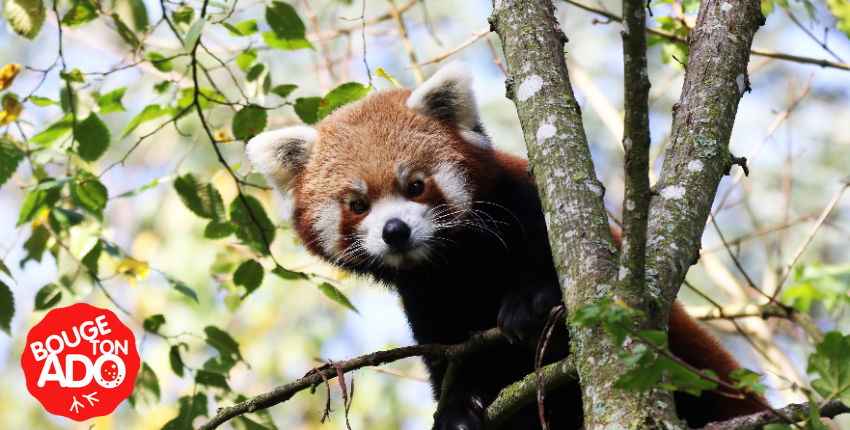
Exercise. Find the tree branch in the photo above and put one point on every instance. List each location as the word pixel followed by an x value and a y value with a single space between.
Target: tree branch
pixel 698 156
pixel 759 420
pixel 317 376
pixel 571 197
pixel 676 38
pixel 636 142
pixel 762 311
pixel 519 394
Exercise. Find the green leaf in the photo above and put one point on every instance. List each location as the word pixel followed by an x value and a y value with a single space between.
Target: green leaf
pixel 153 323
pixel 42 101
pixel 47 297
pixel 25 16
pixel 55 131
pixel 125 32
pixel 7 308
pixel 73 76
pixel 182 288
pixel 159 61
pixel 245 28
pixel 218 230
pixel 111 102
pixel 690 6
pixel 267 84
pixel 745 378
pixel 184 14
pixel 334 294
pixel 832 362
pixel 343 94
pixel 175 361
pixel 201 198
pixel 382 73
pixel 93 138
pixel 289 275
pixel 286 24
pixel 150 112
pixel 255 72
pixel 10 157
pixel 307 108
pixel 145 394
pixel 38 201
pixel 276 42
pixel 220 364
pixel 194 34
pixel 35 245
pixel 249 232
pixel 245 60
pixel 91 258
pixel 211 379
pixel 146 187
pixel 223 342
pixel 5 269
pixel 89 194
pixel 283 91
pixel 162 87
pixel 80 14
pixel 66 217
pixel 139 12
pixel 249 122
pixel 187 97
pixel 840 9
pixel 190 408
pixel 249 275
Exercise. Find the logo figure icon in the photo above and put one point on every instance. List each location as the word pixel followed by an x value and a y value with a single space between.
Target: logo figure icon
pixel 76 352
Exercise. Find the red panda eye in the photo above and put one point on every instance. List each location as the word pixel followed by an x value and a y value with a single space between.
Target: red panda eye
pixel 359 206
pixel 415 189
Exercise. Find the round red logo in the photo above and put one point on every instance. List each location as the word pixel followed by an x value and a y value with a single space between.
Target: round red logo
pixel 80 362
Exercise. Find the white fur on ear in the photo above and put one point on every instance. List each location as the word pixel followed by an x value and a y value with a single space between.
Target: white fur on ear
pixel 280 155
pixel 448 96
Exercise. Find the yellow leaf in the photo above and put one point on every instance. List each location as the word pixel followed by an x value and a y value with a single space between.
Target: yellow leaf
pixel 224 135
pixel 134 271
pixel 7 75
pixel 380 72
pixel 11 110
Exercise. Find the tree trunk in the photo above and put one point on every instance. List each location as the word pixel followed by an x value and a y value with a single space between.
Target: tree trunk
pixel 559 161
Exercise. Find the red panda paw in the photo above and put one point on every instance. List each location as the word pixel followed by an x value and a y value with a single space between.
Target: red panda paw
pixel 524 313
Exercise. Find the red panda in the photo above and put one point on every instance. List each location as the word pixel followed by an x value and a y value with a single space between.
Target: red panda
pixel 405 187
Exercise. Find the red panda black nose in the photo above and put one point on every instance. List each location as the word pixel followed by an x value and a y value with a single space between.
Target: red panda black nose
pixel 396 232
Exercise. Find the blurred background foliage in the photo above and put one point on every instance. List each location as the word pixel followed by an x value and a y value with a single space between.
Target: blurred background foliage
pixel 125 185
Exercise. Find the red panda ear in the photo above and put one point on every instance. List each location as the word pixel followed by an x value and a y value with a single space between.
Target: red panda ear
pixel 448 96
pixel 280 155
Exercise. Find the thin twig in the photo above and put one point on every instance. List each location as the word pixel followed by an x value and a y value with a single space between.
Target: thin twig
pixel 396 14
pixel 757 233
pixel 676 38
pixel 770 130
pixel 787 270
pixel 476 35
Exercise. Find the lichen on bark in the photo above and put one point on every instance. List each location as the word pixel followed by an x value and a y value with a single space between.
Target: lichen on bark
pixel 571 195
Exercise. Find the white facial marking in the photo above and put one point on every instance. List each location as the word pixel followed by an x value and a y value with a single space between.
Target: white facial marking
pixel 453 184
pixel 359 185
pixel 413 214
pixel 327 227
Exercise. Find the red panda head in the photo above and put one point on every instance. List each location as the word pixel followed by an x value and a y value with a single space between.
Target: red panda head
pixel 384 180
